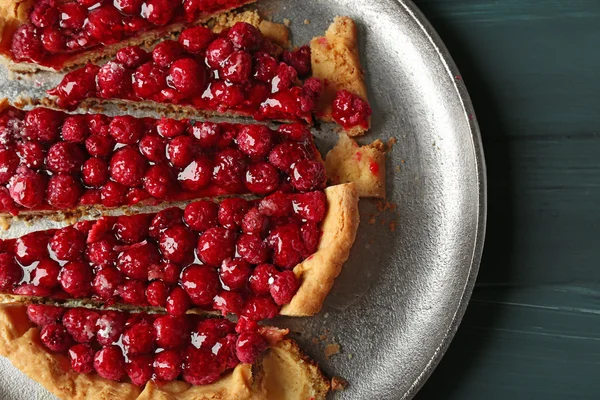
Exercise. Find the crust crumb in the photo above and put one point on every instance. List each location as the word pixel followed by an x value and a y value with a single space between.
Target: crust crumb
pixel 338 383
pixel 307 22
pixel 390 143
pixel 5 223
pixel 331 350
pixel 287 22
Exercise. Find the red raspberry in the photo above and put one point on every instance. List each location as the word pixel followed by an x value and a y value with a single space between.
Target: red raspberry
pixel 148 80
pixel 245 36
pixel 53 40
pixel 164 219
pixel 167 365
pixel 31 247
pixel 287 245
pixel 234 273
pixel 197 174
pixel 170 128
pixel 208 134
pixel 42 315
pixel 109 363
pixel 43 124
pixel 254 222
pixel 286 154
pixel 188 77
pixel 72 16
pixel 44 14
pixel 128 167
pixel 106 283
pixel 166 53
pixel 229 168
pixel 32 154
pixel 99 145
pixel 284 78
pixel 98 124
pixel 265 67
pixel 132 56
pixel 67 244
pixel 45 274
pixel 201 215
pixel 158 12
pixel 218 51
pixel 208 331
pixel 76 279
pixel 237 67
pixel 132 228
pixel 110 326
pixel 232 211
pixel 139 369
pixel 252 249
pixel 105 24
pixel 126 129
pixel 112 194
pixel 63 191
pixel 295 132
pixel 284 287
pixel 228 303
pixel 216 245
pixel 130 7
pixel 228 95
pixel 201 367
pixel 135 261
pixel 153 147
pixel 65 157
pixel 26 44
pixel 262 178
pixel 76 86
pixel 178 302
pixel 195 40
pixel 81 324
pixel 201 283
pixel 113 81
pixel 258 308
pixel 171 332
pixel 249 347
pixel 82 358
pixel 350 110
pixel 102 253
pixel 28 289
pixel 159 180
pixel 261 279
pixel 181 151
pixel 75 129
pixel 311 234
pixel 177 244
pixel 55 337
pixel 9 161
pixel 139 339
pixel 133 292
pixel 308 175
pixel 246 325
pixel 311 206
pixel 10 272
pixel 276 205
pixel 300 59
pixel 255 140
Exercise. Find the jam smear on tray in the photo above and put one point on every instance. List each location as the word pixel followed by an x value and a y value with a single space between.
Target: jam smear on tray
pixel 139 347
pixel 234 257
pixel 53 160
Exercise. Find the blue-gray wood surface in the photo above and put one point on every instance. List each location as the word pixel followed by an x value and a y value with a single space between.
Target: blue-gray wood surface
pixel 532 329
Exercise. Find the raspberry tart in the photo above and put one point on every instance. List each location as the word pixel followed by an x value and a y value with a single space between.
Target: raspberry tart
pixel 52 161
pixel 256 259
pixel 236 69
pixel 83 354
pixel 64 34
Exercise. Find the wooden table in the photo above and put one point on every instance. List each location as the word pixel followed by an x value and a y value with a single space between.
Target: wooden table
pixel 532 330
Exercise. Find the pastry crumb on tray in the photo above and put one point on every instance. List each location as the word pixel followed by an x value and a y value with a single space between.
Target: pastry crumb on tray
pixel 363 165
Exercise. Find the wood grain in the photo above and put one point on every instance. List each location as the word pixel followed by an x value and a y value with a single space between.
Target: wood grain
pixel 532 330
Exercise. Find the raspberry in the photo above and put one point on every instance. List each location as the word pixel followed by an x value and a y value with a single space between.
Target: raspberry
pixel 170 331
pixel 130 7
pixel 102 253
pixel 178 302
pixel 262 178
pixel 237 67
pixel 76 86
pixel 245 325
pixel 75 129
pixel 169 128
pixel 201 367
pixel 106 283
pixel 81 324
pixel 163 220
pixel 286 154
pixel 166 271
pixel 44 14
pixel 53 40
pixel 104 25
pixel 208 331
pixel 45 274
pixel 72 16
pixel 55 337
pixel 252 249
pixel 287 245
pixel 98 145
pixel 245 36
pixel 26 44
pixel 295 132
pixel 187 76
pixel 112 194
pixel 216 245
pixel 159 180
pixel 276 205
pixel 139 339
pixel 232 211
pixel 113 80
pixel 139 369
pixel 229 95
pixel 181 150
pixel 284 287
pixel 125 129
pixel 28 289
pixel 9 161
pixel 148 80
pixel 308 175
pixel 128 167
pixel 133 292
pixel 63 191
pixel 132 56
pixel 350 110
pixel 197 39
pixel 82 358
pixel 109 363
pixel 254 222
pixel 284 78
pixel 249 347
pixel 261 279
pixel 201 283
pixel 234 273
pixel 76 279
pixel 43 315
pixel 65 157
pixel 132 228
pixel 201 215
pixel 218 51
pixel 31 247
pixel 153 147
pixel 42 124
pixel 177 244
pixel 166 53
pixel 110 326
pixel 311 206
pixel 158 12
pixel 135 261
pixel 229 169
pixel 255 141
pixel 27 188
pixel 311 234
pixel 265 67
pixel 208 134
pixel 258 308
pixel 32 154
pixel 300 59
pixel 167 365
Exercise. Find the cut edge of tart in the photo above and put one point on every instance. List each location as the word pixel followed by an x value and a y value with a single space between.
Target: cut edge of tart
pixel 14 13
pixel 283 372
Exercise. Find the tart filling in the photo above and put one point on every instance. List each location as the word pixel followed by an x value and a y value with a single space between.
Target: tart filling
pixel 53 160
pixel 55 34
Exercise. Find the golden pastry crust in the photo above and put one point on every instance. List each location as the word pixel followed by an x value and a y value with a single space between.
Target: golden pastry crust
pixel 284 372
pixel 14 13
pixel 318 272
pixel 363 165
pixel 336 61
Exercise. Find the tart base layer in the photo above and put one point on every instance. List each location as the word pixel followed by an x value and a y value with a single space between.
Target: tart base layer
pixel 283 372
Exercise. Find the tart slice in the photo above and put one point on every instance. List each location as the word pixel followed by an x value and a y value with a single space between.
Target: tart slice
pixel 64 34
pixel 50 160
pixel 237 69
pixel 255 259
pixel 87 354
